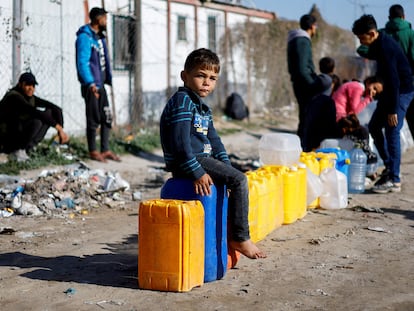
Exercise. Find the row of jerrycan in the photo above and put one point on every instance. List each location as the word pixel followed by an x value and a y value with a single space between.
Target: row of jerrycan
pixel 279 194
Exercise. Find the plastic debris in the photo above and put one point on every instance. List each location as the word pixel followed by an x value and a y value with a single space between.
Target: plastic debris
pixel 8 231
pixel 70 291
pixel 6 212
pixel 378 229
pixel 75 189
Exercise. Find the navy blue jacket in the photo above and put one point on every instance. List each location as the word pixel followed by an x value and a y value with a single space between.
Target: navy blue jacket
pixel 88 59
pixel 394 69
pixel 187 131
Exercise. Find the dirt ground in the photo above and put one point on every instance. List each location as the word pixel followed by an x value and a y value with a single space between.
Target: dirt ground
pixel 358 258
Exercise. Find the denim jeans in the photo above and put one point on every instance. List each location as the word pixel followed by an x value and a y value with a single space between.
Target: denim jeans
pixel 238 207
pixel 389 147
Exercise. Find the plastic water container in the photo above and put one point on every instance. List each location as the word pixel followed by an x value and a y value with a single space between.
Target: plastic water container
pixel 302 185
pixel 279 149
pixel 215 220
pixel 314 186
pixel 357 171
pixel 342 158
pixel 334 189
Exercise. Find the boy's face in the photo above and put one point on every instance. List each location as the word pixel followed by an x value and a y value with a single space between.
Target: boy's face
pixel 368 38
pixel 200 81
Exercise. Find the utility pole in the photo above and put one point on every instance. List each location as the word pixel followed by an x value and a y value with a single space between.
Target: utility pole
pixel 137 108
pixel 16 39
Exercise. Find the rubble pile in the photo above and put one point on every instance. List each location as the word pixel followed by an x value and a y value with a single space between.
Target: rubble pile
pixel 75 189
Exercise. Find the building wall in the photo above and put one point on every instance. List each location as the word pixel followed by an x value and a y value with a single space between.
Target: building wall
pixel 48 50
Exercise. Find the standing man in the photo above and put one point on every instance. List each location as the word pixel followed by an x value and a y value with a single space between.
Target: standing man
pixel 395 71
pixel 301 67
pixel 93 67
pixel 401 30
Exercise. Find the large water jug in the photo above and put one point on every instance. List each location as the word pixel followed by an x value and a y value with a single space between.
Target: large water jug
pixel 215 220
pixel 279 149
pixel 357 170
pixel 334 189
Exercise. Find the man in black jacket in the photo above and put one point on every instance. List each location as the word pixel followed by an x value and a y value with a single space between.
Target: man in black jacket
pixel 25 119
pixel 301 66
pixel 395 71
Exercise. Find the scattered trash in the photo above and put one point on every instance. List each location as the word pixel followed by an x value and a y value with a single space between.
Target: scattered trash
pixel 360 208
pixel 8 231
pixel 27 235
pixel 110 302
pixel 137 195
pixel 315 241
pixel 286 239
pixel 322 292
pixel 6 212
pixel 378 229
pixel 74 190
pixel 28 209
pixel 65 203
pixel 70 291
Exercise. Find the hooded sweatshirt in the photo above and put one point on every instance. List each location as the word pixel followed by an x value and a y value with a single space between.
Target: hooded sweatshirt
pixel 92 61
pixel 299 55
pixel 402 32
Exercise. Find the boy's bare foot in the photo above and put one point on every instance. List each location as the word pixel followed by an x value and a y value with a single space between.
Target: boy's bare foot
pixel 248 249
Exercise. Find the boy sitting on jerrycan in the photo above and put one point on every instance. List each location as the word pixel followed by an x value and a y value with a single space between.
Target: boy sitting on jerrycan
pixel 193 150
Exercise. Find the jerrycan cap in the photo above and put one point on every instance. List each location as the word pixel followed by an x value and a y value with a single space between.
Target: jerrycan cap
pixel 301 165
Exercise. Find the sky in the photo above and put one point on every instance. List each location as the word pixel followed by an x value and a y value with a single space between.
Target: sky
pixel 337 12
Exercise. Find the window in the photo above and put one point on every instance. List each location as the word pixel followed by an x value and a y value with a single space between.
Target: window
pixel 123 42
pixel 182 29
pixel 212 33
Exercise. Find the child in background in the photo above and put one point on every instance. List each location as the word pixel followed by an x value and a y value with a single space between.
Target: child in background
pixel 320 121
pixel 192 148
pixel 352 97
pixel 327 66
pixel 320 117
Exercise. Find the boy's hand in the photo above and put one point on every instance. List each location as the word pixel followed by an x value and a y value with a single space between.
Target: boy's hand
pixel 202 185
pixel 392 120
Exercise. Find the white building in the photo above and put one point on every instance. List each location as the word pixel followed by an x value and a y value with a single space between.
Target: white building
pixel 147 49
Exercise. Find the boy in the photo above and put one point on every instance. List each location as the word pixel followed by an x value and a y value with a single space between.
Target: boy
pixel 193 149
pixel 394 68
pixel 327 66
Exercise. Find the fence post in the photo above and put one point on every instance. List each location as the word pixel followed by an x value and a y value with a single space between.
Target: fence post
pixel 16 39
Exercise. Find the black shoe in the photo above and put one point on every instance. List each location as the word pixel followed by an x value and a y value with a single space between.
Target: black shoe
pixel 384 177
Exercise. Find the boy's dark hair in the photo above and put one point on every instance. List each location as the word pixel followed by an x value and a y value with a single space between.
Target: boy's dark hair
pixel 364 24
pixel 306 21
pixel 203 58
pixel 326 65
pixel 395 11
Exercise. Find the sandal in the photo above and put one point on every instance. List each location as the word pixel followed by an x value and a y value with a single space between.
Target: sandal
pixel 111 156
pixel 95 155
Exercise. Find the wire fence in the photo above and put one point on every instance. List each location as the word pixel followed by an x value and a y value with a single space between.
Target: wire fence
pixel 44 43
